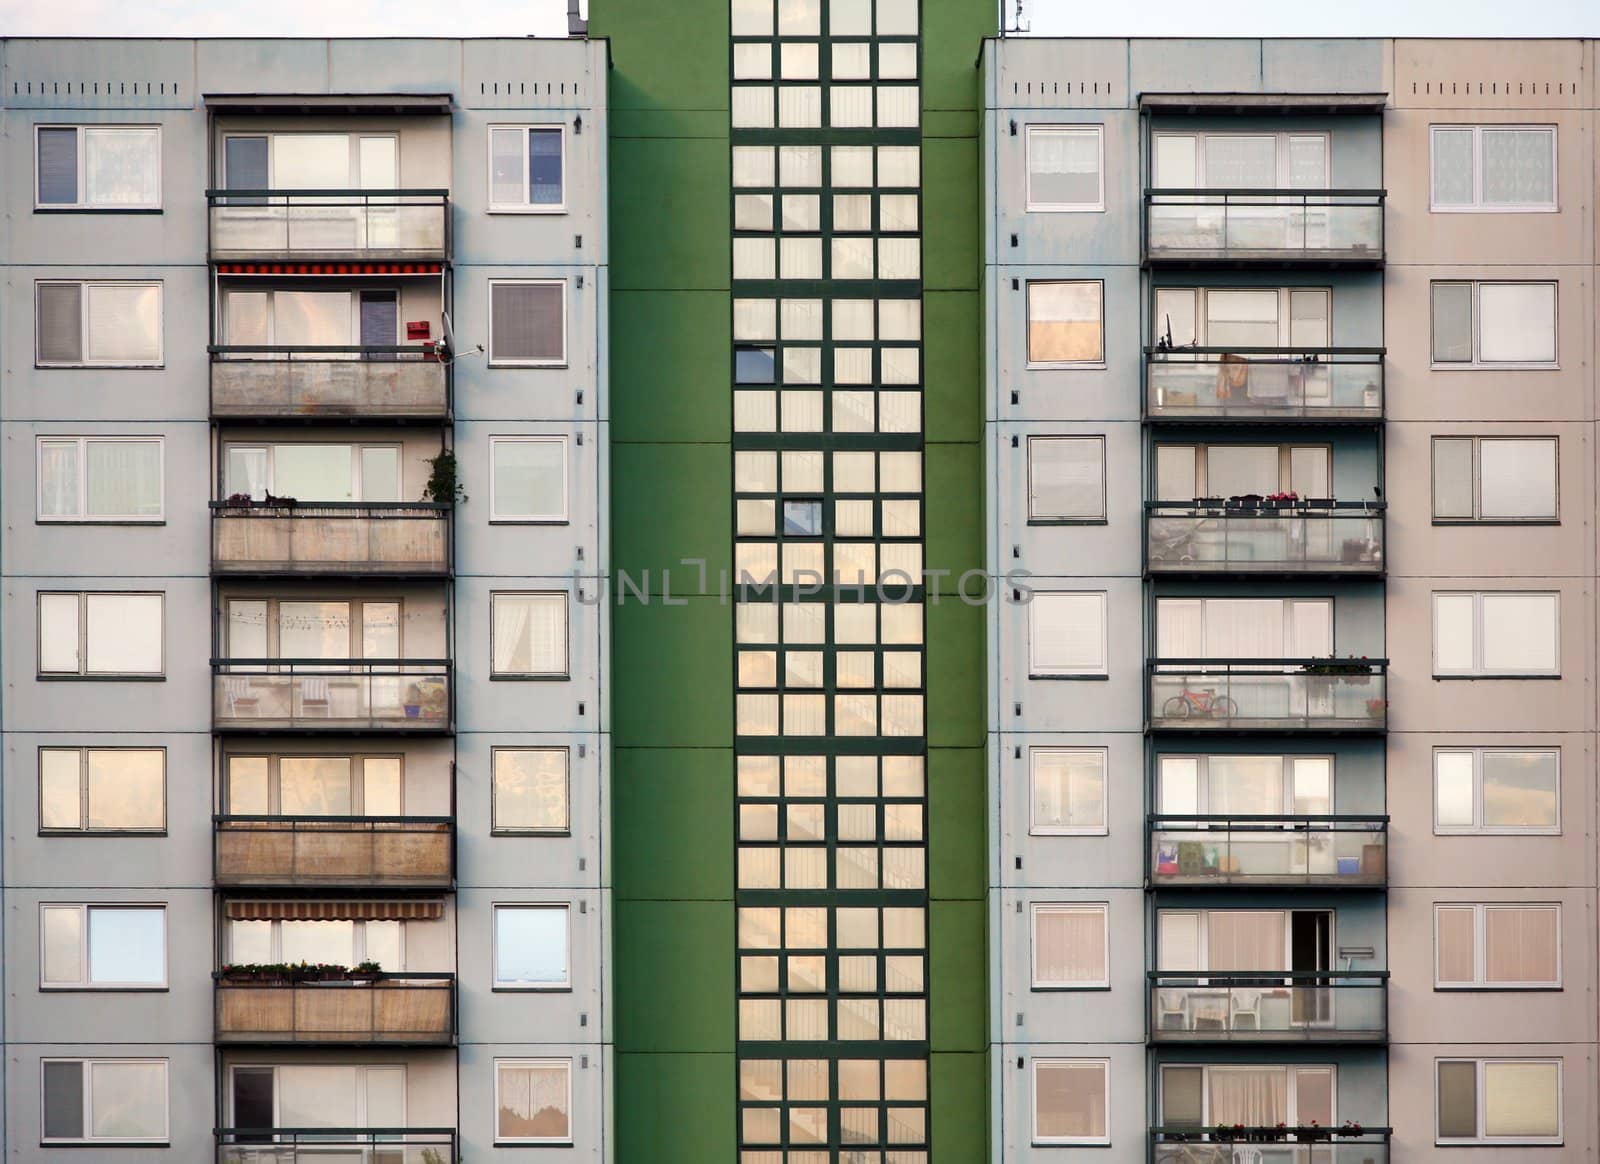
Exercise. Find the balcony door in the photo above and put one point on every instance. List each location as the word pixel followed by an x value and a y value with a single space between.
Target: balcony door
pixel 300 786
pixel 1207 1095
pixel 1241 161
pixel 1254 785
pixel 340 1098
pixel 1244 628
pixel 313 473
pixel 1189 472
pixel 310 318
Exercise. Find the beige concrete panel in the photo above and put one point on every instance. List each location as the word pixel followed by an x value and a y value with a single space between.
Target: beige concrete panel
pixel 1490 74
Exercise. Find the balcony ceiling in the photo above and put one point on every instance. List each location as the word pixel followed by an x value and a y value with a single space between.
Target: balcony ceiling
pixel 1246 103
pixel 329 102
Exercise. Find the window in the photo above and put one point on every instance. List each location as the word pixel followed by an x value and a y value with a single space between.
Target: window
pixel 1496 790
pixel 529 790
pixel 1494 167
pixel 314 472
pixel 103 1101
pixel 1251 785
pixel 1265 317
pixel 345 319
pixel 98 167
pixel 97 324
pixel 1244 628
pixel 529 635
pixel 311 161
pixel 300 786
pixel 1066 324
pixel 1069 791
pixel 533 1101
pixel 317 1095
pixel 1497 947
pixel 530 947
pixel 528 323
pixel 526 168
pixel 102 947
pixel 1066 167
pixel 99 479
pixel 528 479
pixel 88 790
pixel 1494 324
pixel 1071 1099
pixel 1069 946
pixel 1190 472
pixel 1499 1101
pixel 100 633
pixel 1208 1095
pixel 1493 479
pixel 1067 634
pixel 1496 634
pixel 278 628
pixel 1241 161
pixel 1067 478
pixel 331 941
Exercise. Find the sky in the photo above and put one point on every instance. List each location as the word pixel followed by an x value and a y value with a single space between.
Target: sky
pixel 1045 17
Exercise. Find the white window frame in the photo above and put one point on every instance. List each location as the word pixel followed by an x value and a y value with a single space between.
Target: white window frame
pixel 274 761
pixel 1478 669
pixel 84 910
pixel 1286 760
pixel 1480 947
pixel 1099 132
pixel 225 322
pixel 1478 827
pixel 1057 519
pixel 88 1136
pixel 83 671
pixel 494 361
pixel 498 829
pixel 83 443
pixel 565 671
pixel 84 828
pixel 353 136
pixel 1478 205
pixel 488 159
pixel 85 361
pixel 1477 363
pixel 1202 312
pixel 1478 441
pixel 1480 1093
pixel 1291 1083
pixel 358 483
pixel 83 172
pixel 1037 670
pixel 1040 830
pixel 562 515
pixel 363 1113
pixel 1033 1106
pixel 494 946
pixel 1027 329
pixel 1280 154
pixel 358 940
pixel 566 1064
pixel 1039 908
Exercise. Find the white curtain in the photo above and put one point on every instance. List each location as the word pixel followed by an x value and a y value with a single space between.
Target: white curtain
pixel 58 479
pixel 1069 945
pixel 1244 941
pixel 1257 1097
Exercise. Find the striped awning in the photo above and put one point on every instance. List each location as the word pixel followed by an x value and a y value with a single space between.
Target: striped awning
pixel 256 909
pixel 347 268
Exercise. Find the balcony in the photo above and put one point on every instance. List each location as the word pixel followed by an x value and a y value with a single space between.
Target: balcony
pixel 1341 852
pixel 336 1146
pixel 1276 226
pixel 1240 537
pixel 1282 385
pixel 383 1010
pixel 394 539
pixel 347 852
pixel 276 225
pixel 389 382
pixel 1315 1006
pixel 1269 695
pixel 1269 1146
pixel 332 696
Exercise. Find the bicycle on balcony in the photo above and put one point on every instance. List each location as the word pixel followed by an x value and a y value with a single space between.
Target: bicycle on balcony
pixel 1204 703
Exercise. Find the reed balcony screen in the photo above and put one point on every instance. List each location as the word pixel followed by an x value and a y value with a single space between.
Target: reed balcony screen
pixel 332 695
pixel 398 1009
pixel 400 852
pixel 397 538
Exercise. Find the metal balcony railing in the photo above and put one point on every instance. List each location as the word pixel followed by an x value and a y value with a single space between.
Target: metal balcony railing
pixel 1268 384
pixel 1203 850
pixel 1269 694
pixel 350 537
pixel 332 695
pixel 1265 225
pixel 389 1009
pixel 1217 536
pixel 352 381
pixel 317 224
pixel 1320 1006
pixel 400 852
pixel 1255 1145
pixel 336 1146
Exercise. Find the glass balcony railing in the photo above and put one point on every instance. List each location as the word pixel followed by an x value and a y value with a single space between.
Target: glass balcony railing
pixel 316 224
pixel 385 1009
pixel 1320 1006
pixel 1274 1145
pixel 1234 536
pixel 396 538
pixel 401 852
pixel 332 695
pixel 336 1146
pixel 1271 384
pixel 1347 851
pixel 1269 694
pixel 1270 225
pixel 383 382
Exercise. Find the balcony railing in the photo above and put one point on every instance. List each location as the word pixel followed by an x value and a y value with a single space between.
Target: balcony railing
pixel 1338 851
pixel 1269 694
pixel 393 1009
pixel 336 1146
pixel 383 382
pixel 1271 384
pixel 402 852
pixel 1264 225
pixel 397 538
pixel 365 224
pixel 332 695
pixel 1213 536
pixel 1319 1006
pixel 1268 1146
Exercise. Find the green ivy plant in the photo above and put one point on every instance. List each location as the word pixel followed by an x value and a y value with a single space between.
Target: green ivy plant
pixel 443 486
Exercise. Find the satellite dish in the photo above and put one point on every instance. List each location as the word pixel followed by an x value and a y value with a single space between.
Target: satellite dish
pixel 449 333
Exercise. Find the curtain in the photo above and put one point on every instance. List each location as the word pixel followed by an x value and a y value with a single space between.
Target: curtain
pixel 1520 944
pixel 123 166
pixel 1068 632
pixel 1245 785
pixel 1452 167
pixel 58 479
pixel 1069 945
pixel 1070 1099
pixel 1453 944
pixel 526 321
pixel 513 652
pixel 1518 167
pixel 124 478
pixel 1066 476
pixel 1244 941
pixel 1452 323
pixel 532 1102
pixel 58 167
pixel 124 322
pixel 60 311
pixel 1064 167
pixel 1521 1099
pixel 1064 322
pixel 1243 628
pixel 1241 161
pixel 1257 1097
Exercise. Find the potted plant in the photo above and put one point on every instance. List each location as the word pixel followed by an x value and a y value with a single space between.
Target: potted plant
pixel 365 972
pixel 413 700
pixel 1376 708
pixel 1350 1128
pixel 239 501
pixel 1228 1133
pixel 1313 1133
pixel 443 487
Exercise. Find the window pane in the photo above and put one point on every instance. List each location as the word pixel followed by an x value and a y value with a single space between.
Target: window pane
pixel 530 946
pixel 1519 167
pixel 1182 1096
pixel 1242 319
pixel 1175 164
pixel 1241 161
pixel 1521 944
pixel 1519 477
pixel 1519 632
pixel 247 786
pixel 58 479
pixel 529 479
pixel 1240 470
pixel 1069 946
pixel 310 161
pixel 1180 785
pixel 1069 1101
pixel 63 1100
pixel 59 781
pixel 63 944
pixel 58 634
pixel 318 941
pixel 526 323
pixel 1458 1100
pixel 1453 803
pixel 505 166
pixel 530 788
pixel 1453 936
pixel 123 167
pixel 125 788
pixel 128 946
pixel 128 1101
pixel 377 162
pixel 1069 790
pixel 1067 633
pixel 1066 477
pixel 383 945
pixel 532 1102
pixel 1245 785
pixel 1452 633
pixel 314 630
pixel 1520 789
pixel 1452 477
pixel 1064 323
pixel 1452 323
pixel 249 942
pixel 60 323
pixel 1521 1099
pixel 58 167
pixel 312 318
pixel 124 478
pixel 314 786
pixel 1064 167
pixel 1452 167
pixel 544 167
pixel 1517 322
pixel 313 472
pixel 124 322
pixel 530 634
pixel 317 1097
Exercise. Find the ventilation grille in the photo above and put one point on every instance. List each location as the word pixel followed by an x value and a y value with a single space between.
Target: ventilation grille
pixel 1089 93
pixel 78 93
pixel 504 93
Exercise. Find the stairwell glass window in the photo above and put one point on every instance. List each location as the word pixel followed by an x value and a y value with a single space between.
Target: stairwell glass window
pixel 1068 791
pixel 1498 1101
pixel 1071 1101
pixel 101 634
pixel 1067 478
pixel 1493 167
pixel 97 167
pixel 1066 168
pixel 1496 790
pixel 531 944
pixel 529 633
pixel 1495 479
pixel 103 1101
pixel 102 947
pixel 527 169
pixel 1515 634
pixel 533 1101
pixel 1067 634
pixel 1070 947
pixel 1493 325
pixel 97 324
pixel 527 323
pixel 528 479
pixel 1066 324
pixel 1496 947
pixel 99 479
pixel 109 790
pixel 529 790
